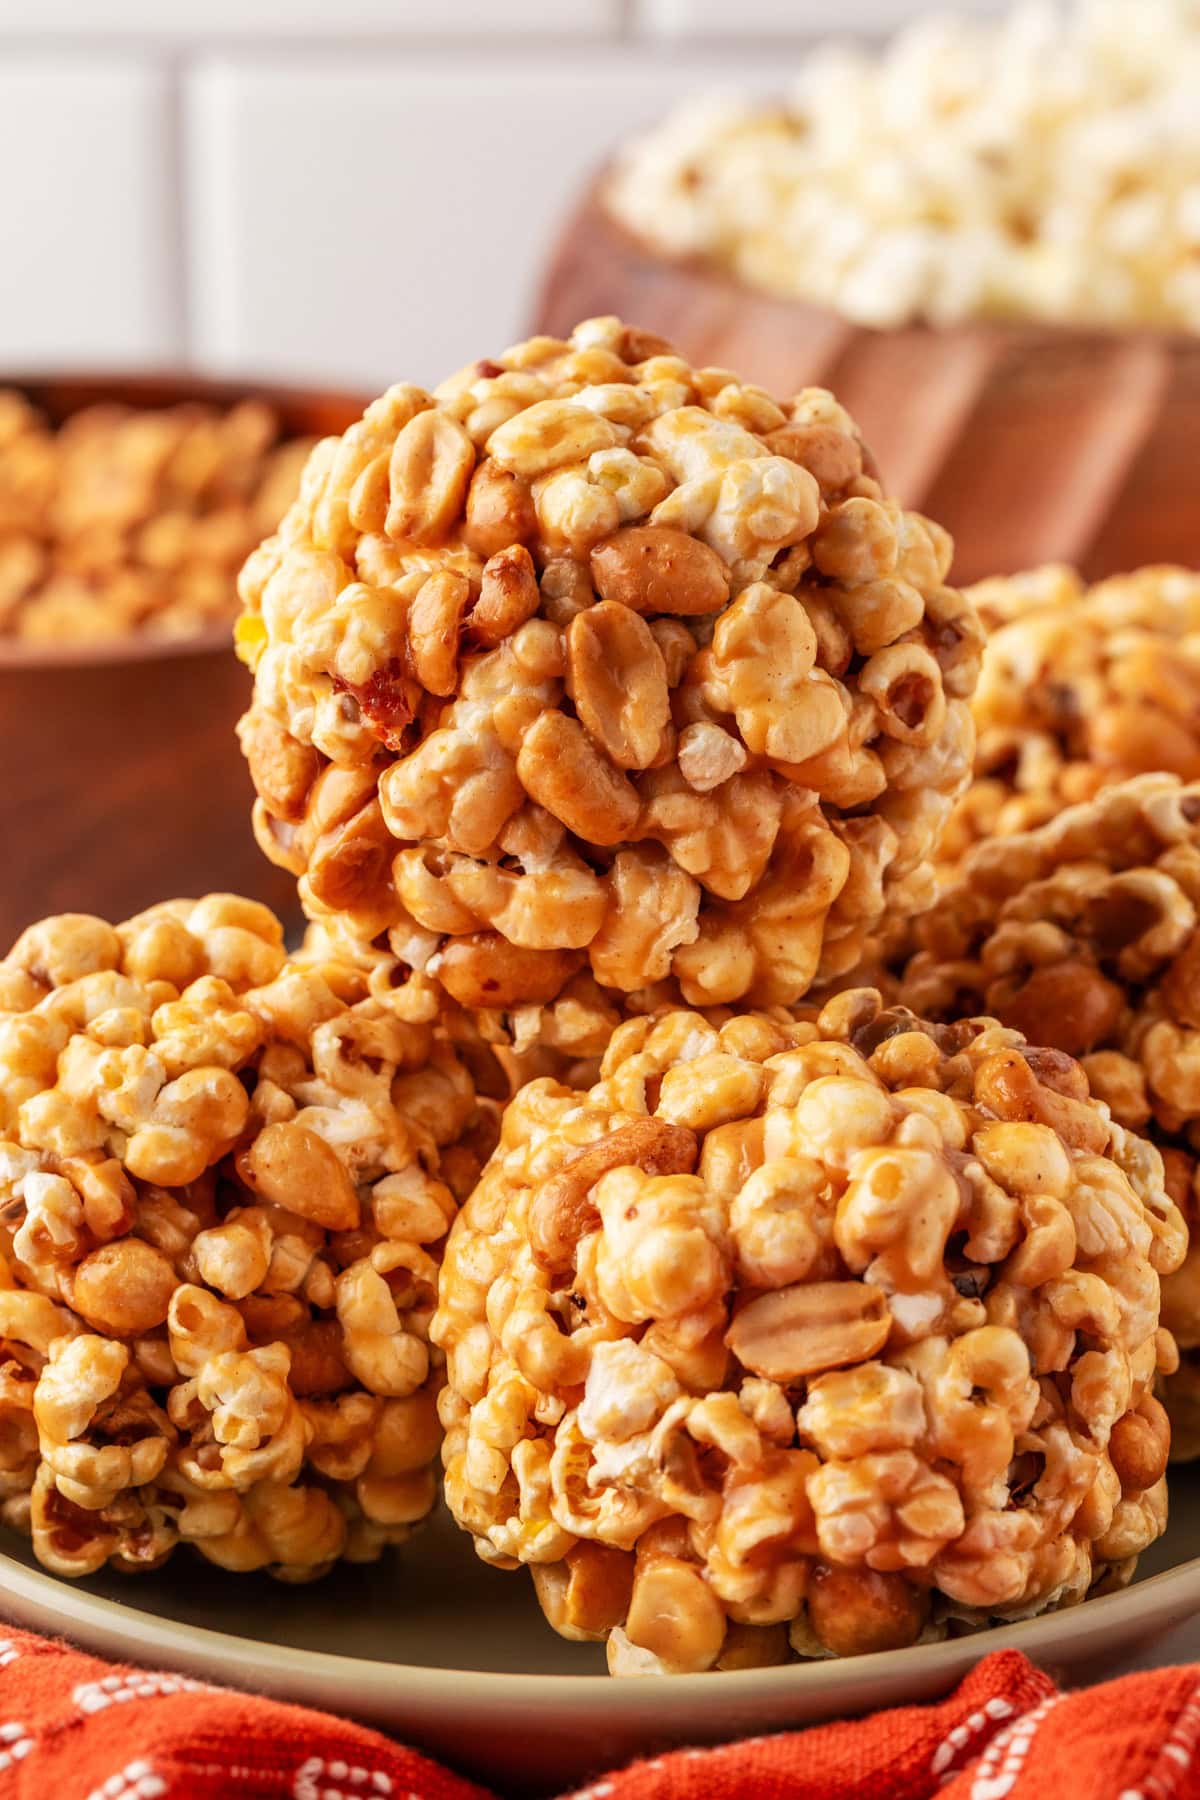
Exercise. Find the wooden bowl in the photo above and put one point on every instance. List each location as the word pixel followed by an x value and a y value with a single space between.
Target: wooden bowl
pixel 123 782
pixel 1030 443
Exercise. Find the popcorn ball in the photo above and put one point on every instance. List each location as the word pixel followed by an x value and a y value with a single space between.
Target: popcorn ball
pixel 808 1336
pixel 593 678
pixel 1079 687
pixel 1083 935
pixel 1044 165
pixel 224 1184
pixel 133 520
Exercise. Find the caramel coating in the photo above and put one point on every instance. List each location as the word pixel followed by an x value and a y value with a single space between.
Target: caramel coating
pixel 1083 934
pixel 1080 687
pixel 592 679
pixel 225 1180
pixel 830 1330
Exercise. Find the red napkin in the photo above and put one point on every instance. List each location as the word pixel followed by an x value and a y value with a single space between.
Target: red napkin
pixel 76 1728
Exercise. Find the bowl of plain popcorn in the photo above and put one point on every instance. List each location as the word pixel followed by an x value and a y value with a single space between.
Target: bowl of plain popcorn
pixel 985 236
pixel 127 506
pixel 718 1163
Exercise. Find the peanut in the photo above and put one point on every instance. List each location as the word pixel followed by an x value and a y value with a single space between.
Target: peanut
pixel 431 465
pixel 618 680
pixel 123 1288
pixel 1140 1444
pixel 587 1593
pixel 484 969
pixel 433 622
pixel 560 768
pixel 282 769
pixel 857 1611
pixel 508 596
pixel 500 510
pixel 1067 1006
pixel 563 1211
pixel 798 1331
pixel 547 435
pixel 658 569
pixel 349 866
pixel 292 1167
pixel 675 1615
pixel 834 457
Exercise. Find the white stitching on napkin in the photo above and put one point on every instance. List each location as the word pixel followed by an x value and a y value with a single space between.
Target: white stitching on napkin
pixel 1004 1758
pixel 17 1744
pixel 94 1696
pixel 948 1759
pixel 1175 1757
pixel 136 1781
pixel 356 1781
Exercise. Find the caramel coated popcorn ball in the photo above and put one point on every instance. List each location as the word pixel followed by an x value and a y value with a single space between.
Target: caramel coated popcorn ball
pixel 592 678
pixel 808 1336
pixel 1080 687
pixel 128 520
pixel 1043 165
pixel 1083 935
pixel 224 1184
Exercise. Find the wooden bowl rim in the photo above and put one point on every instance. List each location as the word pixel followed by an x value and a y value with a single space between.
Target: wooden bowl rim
pixel 21 653
pixel 710 276
pixel 159 385
pixel 62 392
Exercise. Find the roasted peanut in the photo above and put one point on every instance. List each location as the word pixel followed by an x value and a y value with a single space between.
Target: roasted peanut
pixel 499 510
pixel 587 1594
pixel 283 770
pixel 508 595
pixel 433 625
pixel 431 464
pixel 655 569
pixel 291 1167
pixel 563 1207
pixel 564 772
pixel 123 1288
pixel 798 1331
pixel 484 969
pixel 547 435
pixel 618 681
pixel 857 1611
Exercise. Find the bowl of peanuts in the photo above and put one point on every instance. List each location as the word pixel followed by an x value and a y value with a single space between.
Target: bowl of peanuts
pixel 127 504
pixel 718 1162
pixel 982 236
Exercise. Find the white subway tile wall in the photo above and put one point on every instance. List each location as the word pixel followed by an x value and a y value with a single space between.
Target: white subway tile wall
pixel 353 192
pixel 90 250
pixel 201 21
pixel 727 19
pixel 389 219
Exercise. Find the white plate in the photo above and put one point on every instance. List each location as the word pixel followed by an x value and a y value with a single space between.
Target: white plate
pixel 456 1659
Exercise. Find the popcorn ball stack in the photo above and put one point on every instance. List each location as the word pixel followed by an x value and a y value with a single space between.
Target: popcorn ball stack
pixel 1079 687
pixel 808 1336
pixel 126 520
pixel 1083 935
pixel 224 1182
pixel 593 680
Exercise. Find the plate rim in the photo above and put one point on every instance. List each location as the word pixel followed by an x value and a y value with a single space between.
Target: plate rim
pixel 239 1661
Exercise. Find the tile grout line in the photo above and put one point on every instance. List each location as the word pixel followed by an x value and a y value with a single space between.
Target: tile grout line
pixel 178 200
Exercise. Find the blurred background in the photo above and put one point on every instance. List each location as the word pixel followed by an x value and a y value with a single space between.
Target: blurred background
pixel 345 192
